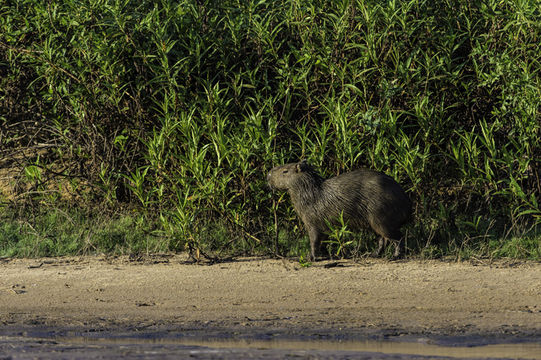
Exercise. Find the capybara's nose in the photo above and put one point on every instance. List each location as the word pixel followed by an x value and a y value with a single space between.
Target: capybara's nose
pixel 269 181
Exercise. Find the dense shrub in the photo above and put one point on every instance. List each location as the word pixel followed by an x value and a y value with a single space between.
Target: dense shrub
pixel 182 107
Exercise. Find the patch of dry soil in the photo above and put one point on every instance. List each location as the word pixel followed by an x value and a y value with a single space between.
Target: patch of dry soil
pixel 411 297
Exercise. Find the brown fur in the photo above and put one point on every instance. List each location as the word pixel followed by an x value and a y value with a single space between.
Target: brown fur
pixel 365 198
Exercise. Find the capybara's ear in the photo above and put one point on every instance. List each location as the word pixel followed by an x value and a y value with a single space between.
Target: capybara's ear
pixel 302 166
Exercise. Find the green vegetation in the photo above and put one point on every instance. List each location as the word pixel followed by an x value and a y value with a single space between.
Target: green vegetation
pixel 133 126
pixel 56 233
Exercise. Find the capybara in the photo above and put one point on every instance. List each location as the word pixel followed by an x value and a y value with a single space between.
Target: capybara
pixel 363 198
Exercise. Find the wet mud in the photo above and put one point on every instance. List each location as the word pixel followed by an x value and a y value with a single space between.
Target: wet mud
pixel 203 343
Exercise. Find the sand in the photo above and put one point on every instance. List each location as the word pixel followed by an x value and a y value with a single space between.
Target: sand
pixel 404 297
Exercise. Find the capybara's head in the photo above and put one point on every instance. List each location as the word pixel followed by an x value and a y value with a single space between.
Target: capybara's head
pixel 286 176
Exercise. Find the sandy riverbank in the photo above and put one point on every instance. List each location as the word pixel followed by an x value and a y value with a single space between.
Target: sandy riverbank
pixel 410 297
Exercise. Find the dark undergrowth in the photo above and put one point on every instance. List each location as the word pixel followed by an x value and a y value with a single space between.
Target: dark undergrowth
pixel 149 126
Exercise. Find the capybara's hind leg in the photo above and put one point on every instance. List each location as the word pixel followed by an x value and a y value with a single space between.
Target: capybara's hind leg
pixel 398 248
pixel 382 243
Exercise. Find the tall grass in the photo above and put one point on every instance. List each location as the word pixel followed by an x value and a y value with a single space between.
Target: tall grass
pixel 179 109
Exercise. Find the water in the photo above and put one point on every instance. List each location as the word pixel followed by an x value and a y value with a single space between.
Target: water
pixel 171 344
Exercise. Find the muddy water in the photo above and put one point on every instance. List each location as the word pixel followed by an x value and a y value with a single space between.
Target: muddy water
pixel 171 344
pixel 405 349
